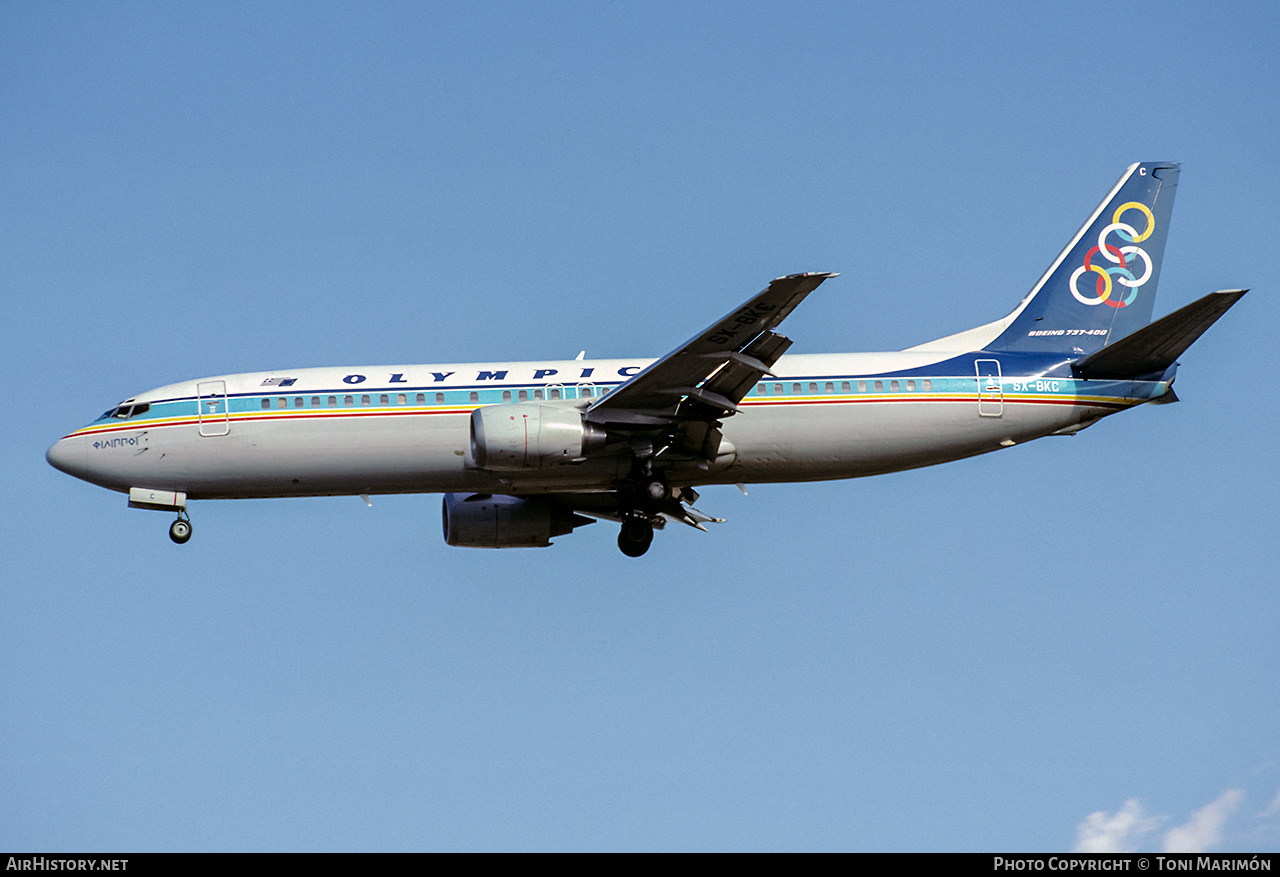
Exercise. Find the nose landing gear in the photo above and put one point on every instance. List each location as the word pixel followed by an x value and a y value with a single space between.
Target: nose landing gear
pixel 180 530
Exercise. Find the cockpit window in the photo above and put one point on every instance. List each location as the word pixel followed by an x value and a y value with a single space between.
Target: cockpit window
pixel 124 412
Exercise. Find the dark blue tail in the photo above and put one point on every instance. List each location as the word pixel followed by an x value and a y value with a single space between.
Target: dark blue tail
pixel 1103 285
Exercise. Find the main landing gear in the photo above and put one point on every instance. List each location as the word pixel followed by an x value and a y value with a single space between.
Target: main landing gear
pixel 180 530
pixel 651 493
pixel 635 537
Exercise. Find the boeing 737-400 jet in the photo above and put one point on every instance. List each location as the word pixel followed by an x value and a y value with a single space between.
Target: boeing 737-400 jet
pixel 527 451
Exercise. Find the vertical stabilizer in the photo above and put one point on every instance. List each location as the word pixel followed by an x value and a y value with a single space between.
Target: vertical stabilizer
pixel 1102 287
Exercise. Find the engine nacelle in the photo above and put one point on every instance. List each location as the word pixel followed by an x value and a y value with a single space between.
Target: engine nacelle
pixel 523 436
pixel 480 520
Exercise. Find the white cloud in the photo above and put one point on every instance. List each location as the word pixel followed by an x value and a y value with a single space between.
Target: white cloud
pixel 1115 833
pixel 1204 829
pixel 1272 809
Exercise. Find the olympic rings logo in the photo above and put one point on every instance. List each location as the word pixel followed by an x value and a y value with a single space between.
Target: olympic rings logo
pixel 1122 259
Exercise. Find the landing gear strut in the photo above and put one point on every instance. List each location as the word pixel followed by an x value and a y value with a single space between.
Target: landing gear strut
pixel 180 530
pixel 635 537
pixel 648 497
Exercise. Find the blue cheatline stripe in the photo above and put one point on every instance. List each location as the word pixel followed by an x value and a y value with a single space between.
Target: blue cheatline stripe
pixel 161 414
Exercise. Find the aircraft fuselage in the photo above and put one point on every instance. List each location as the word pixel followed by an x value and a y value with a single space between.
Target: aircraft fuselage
pixel 405 429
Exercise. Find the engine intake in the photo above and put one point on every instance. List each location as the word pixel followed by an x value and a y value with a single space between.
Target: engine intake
pixel 522 436
pixel 482 520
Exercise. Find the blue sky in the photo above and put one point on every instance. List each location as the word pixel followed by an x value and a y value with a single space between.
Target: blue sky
pixel 1067 643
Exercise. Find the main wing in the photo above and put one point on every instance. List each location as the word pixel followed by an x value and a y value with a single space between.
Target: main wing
pixel 678 401
pixel 667 418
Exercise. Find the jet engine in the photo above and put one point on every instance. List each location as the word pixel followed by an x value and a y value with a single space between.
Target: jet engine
pixel 512 437
pixel 481 520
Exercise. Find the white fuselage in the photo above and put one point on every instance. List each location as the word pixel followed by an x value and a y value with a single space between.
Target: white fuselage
pixel 405 429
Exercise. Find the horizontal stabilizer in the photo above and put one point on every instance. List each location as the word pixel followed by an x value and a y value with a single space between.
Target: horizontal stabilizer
pixel 1157 346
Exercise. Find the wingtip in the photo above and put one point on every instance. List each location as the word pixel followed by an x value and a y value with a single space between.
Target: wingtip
pixel 825 275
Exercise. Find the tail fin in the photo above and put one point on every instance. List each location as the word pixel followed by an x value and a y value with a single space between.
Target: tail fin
pixel 1103 285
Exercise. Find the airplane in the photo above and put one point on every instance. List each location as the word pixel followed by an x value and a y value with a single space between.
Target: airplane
pixel 525 452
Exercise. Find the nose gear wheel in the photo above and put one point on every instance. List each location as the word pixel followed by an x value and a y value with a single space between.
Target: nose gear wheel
pixel 180 530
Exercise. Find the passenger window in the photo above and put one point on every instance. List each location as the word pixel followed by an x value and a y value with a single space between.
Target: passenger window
pixel 911 385
pixel 813 387
pixel 537 394
pixel 893 385
pixel 926 385
pixel 830 387
pixel 524 395
pixel 402 399
pixel 348 401
pixel 384 400
pixel 298 402
pixel 879 386
pixel 475 397
pixel 266 403
pixel 584 392
pixel 777 389
pixel 553 394
pixel 844 386
pixel 333 400
pixel 795 388
pixel 282 402
pixel 439 398
pixel 315 401
pixel 506 395
pixel 760 390
pixel 364 400
pixel 862 386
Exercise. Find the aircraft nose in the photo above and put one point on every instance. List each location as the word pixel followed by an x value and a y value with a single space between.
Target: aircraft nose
pixel 68 456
